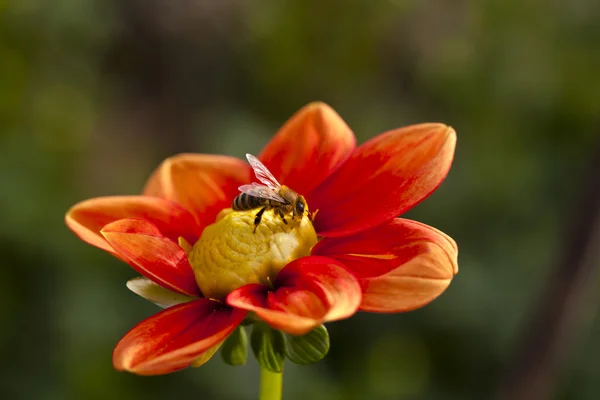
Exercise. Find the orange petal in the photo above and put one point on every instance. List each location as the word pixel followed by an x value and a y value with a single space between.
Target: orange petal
pixel 203 184
pixel 151 254
pixel 401 265
pixel 88 217
pixel 206 356
pixel 309 147
pixel 309 291
pixel 383 178
pixel 174 338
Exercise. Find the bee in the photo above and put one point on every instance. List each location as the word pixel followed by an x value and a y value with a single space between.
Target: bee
pixel 270 195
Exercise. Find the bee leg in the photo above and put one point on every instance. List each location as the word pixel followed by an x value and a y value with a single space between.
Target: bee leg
pixel 257 218
pixel 282 217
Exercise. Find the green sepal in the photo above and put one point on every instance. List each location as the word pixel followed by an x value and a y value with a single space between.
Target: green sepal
pixel 268 346
pixel 309 348
pixel 235 349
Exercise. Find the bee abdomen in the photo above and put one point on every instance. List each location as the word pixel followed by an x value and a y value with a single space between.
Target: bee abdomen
pixel 244 202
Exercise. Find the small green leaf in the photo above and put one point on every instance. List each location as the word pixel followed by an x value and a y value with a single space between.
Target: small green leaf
pixel 155 293
pixel 309 348
pixel 235 348
pixel 268 346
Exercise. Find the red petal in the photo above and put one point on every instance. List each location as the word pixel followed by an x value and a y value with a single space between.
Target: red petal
pixel 203 184
pixel 383 178
pixel 174 338
pixel 151 254
pixel 309 147
pixel 402 265
pixel 88 217
pixel 310 291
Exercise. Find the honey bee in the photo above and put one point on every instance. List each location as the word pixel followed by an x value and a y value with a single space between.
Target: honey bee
pixel 271 195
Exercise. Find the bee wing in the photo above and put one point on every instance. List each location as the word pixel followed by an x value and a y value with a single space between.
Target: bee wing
pixel 264 192
pixel 262 173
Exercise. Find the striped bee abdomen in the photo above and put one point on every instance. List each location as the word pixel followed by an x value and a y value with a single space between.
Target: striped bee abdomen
pixel 245 201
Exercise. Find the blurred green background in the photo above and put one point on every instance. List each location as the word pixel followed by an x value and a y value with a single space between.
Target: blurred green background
pixel 95 93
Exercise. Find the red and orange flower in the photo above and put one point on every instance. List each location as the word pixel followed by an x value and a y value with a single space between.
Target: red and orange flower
pixel 365 259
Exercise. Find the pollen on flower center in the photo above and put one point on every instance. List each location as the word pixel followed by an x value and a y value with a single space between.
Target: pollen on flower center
pixel 229 254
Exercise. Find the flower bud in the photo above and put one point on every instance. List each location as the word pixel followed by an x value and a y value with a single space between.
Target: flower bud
pixel 231 253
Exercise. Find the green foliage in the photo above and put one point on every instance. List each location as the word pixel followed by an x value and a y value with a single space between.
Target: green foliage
pixel 308 349
pixel 235 349
pixel 268 346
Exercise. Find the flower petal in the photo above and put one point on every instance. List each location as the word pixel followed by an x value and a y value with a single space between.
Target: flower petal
pixel 153 255
pixel 155 293
pixel 88 217
pixel 383 178
pixel 203 184
pixel 206 356
pixel 253 297
pixel 401 265
pixel 176 337
pixel 310 291
pixel 309 147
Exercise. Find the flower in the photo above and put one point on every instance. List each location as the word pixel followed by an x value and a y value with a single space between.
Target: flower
pixel 180 235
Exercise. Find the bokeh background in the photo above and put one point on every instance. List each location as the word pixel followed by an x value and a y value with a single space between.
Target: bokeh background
pixel 95 93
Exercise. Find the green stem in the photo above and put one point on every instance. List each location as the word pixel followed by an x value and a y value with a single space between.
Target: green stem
pixel 270 385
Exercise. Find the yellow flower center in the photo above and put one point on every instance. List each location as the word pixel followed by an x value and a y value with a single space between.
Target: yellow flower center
pixel 230 254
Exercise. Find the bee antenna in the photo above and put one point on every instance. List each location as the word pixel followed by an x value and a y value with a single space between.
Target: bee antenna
pixel 312 215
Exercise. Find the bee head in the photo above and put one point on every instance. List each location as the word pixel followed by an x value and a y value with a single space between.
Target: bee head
pixel 300 207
